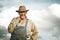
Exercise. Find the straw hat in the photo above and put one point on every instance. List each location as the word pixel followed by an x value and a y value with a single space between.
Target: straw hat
pixel 22 8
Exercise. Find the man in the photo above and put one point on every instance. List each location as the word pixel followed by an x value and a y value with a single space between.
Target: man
pixel 22 28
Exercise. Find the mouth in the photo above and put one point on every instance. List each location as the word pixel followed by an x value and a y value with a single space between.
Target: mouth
pixel 22 15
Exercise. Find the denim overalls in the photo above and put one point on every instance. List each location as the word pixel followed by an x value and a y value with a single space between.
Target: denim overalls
pixel 19 32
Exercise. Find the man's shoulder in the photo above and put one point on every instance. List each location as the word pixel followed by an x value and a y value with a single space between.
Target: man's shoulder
pixel 30 21
pixel 14 18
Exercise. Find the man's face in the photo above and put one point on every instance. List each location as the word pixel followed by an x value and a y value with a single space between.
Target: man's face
pixel 22 13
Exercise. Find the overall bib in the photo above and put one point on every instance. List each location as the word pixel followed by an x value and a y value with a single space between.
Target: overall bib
pixel 19 32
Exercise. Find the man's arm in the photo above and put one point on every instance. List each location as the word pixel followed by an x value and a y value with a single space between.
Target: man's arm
pixel 34 32
pixel 10 26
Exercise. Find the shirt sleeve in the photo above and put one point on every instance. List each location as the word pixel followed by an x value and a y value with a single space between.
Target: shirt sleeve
pixel 10 26
pixel 34 31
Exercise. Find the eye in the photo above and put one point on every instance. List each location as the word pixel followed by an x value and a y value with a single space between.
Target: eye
pixel 22 11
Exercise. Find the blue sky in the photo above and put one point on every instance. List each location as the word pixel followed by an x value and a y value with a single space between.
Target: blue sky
pixel 41 4
pixel 43 1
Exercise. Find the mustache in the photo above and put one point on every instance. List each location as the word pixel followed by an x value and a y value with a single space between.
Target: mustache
pixel 22 15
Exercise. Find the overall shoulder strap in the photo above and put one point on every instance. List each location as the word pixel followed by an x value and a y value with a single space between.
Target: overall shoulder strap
pixel 26 23
pixel 25 27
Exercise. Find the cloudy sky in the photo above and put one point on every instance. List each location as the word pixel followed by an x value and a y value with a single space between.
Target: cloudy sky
pixel 44 13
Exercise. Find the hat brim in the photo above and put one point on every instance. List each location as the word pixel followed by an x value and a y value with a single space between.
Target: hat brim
pixel 20 11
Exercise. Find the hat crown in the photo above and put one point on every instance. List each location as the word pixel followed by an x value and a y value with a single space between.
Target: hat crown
pixel 22 8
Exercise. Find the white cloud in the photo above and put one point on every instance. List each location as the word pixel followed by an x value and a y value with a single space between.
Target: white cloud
pixel 7 15
pixel 55 9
